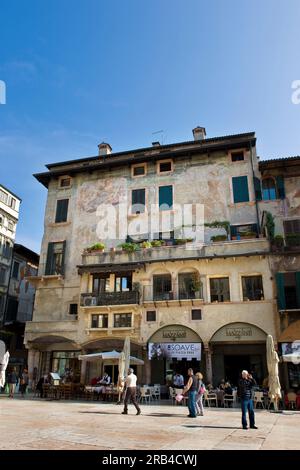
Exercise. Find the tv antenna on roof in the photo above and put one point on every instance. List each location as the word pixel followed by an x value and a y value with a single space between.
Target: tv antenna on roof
pixel 162 135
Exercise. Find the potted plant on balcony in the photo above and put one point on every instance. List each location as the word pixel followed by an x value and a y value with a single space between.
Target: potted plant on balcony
pixel 196 286
pixel 129 247
pixel 146 245
pixel 218 238
pixel 97 247
pixel 247 235
pixel 157 243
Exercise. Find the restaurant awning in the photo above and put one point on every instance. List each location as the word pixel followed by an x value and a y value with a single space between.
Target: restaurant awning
pixel 111 357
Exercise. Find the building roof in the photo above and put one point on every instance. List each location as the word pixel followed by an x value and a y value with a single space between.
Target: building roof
pixel 279 162
pixel 25 252
pixel 140 155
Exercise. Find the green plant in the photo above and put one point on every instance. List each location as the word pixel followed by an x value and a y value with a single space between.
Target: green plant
pixel 129 247
pixel 156 243
pixel 196 283
pixel 219 224
pixel 96 247
pixel 270 225
pixel 218 238
pixel 180 241
pixel 146 244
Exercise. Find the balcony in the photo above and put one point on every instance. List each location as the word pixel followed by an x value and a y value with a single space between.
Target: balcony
pixel 176 294
pixel 233 248
pixel 110 298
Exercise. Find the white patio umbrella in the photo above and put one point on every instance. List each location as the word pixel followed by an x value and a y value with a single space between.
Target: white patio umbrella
pixel 121 377
pixel 111 357
pixel 272 363
pixel 126 350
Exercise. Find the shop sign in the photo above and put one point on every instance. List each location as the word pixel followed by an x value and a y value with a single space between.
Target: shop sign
pixel 174 351
pixel 176 333
pixel 238 332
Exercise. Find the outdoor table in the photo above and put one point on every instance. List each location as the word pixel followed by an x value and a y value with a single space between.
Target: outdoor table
pixel 220 396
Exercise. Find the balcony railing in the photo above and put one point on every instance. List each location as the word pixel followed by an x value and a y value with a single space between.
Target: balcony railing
pixel 177 252
pixel 110 298
pixel 151 294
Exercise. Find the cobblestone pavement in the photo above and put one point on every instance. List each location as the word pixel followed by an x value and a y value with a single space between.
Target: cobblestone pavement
pixel 42 424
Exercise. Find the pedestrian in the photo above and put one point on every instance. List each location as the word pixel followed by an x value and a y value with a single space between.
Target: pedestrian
pixel 191 387
pixel 12 381
pixel 130 394
pixel 24 382
pixel 246 384
pixel 178 380
pixel 200 394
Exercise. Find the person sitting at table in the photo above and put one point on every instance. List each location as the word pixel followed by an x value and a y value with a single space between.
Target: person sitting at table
pixel 228 388
pixel 222 385
pixel 178 381
pixel 104 382
pixel 209 387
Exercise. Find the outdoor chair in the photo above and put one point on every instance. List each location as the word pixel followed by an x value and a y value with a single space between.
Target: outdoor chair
pixel 145 394
pixel 230 399
pixel 172 394
pixel 211 398
pixel 156 392
pixel 259 399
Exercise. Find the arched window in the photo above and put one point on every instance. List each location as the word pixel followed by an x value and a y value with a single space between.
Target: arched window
pixel 269 192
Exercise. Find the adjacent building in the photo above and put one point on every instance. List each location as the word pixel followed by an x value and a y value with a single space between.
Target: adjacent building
pixel 9 215
pixel 185 290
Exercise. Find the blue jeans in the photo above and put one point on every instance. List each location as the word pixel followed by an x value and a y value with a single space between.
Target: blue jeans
pixel 247 404
pixel 192 403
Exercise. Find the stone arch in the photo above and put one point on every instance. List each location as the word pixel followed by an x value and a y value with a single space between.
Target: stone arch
pixel 235 331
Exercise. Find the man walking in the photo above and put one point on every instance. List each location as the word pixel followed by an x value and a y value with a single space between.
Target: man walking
pixel 246 384
pixel 130 395
pixel 191 387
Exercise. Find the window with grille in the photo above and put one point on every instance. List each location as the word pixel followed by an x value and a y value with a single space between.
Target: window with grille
pixel 219 289
pixel 252 288
pixel 55 258
pixel 122 320
pixel 162 287
pixel 99 321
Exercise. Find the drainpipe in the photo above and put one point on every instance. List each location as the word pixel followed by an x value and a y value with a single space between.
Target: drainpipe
pixel 253 176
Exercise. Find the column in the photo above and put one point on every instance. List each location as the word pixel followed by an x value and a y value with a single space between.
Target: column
pixel 83 370
pixel 146 376
pixel 208 360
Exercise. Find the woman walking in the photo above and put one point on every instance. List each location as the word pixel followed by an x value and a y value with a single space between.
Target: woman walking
pixel 24 382
pixel 200 393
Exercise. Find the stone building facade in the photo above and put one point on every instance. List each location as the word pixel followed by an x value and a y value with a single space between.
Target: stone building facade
pixel 205 299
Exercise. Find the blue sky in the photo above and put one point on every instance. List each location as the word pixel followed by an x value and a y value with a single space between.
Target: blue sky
pixel 79 72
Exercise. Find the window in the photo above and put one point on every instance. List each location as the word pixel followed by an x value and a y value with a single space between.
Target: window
pixel 61 211
pixel 99 321
pixel 219 289
pixel 12 203
pixel 162 287
pixel 11 226
pixel 189 286
pixel 243 231
pixel 237 156
pixel 165 166
pixel 20 342
pixel 65 182
pixel 165 198
pixel 123 282
pixel 196 314
pixel 15 271
pixel 1 302
pixel 138 201
pixel 2 276
pixel 7 250
pixel 240 189
pixel 288 290
pixel 1 220
pixel 269 189
pixel 55 258
pixel 100 283
pixel 151 315
pixel 3 196
pixel 292 232
pixel 252 288
pixel 73 310
pixel 122 320
pixel 138 170
pixel 12 309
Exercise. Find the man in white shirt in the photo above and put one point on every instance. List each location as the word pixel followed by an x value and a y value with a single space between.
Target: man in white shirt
pixel 130 395
pixel 178 380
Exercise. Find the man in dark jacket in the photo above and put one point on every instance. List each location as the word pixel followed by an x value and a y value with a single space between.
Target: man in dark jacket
pixel 246 384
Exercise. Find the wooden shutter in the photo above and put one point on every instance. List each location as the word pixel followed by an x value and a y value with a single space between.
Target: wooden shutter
pixel 48 270
pixel 280 291
pixel 257 188
pixel 166 196
pixel 280 187
pixel 62 210
pixel 240 189
pixel 63 259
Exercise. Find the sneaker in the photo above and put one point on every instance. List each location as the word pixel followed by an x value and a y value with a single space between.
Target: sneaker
pixel 253 427
pixel 124 413
pixel 245 427
pixel 138 412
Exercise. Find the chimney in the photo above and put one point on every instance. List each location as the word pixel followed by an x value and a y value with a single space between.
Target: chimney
pixel 155 144
pixel 104 149
pixel 199 133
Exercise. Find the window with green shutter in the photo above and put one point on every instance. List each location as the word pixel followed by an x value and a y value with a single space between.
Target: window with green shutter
pixel 257 188
pixel 280 291
pixel 280 187
pixel 55 258
pixel 61 210
pixel 240 189
pixel 165 198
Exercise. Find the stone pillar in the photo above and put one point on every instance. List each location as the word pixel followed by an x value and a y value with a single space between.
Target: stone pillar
pixel 146 376
pixel 83 370
pixel 33 363
pixel 208 360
